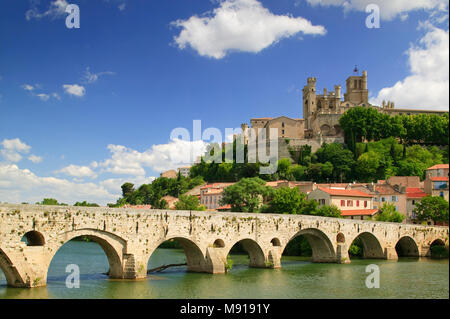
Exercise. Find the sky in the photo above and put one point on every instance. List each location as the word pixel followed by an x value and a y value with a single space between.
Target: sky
pixel 83 110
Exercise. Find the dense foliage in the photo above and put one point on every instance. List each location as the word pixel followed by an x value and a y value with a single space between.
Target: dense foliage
pixel 388 213
pixel 434 208
pixel 335 162
pixel 152 194
pixel 189 202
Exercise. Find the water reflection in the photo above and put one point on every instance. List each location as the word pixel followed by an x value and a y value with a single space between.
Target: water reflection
pixel 298 278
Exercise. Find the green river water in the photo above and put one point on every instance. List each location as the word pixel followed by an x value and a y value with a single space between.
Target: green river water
pixel 297 279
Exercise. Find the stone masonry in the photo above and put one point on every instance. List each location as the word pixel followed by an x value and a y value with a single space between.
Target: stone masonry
pixel 130 236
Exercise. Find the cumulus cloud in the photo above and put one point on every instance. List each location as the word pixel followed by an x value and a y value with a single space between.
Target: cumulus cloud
pixel 17 185
pixel 28 87
pixel 427 87
pixel 74 89
pixel 57 9
pixel 13 148
pixel 34 158
pixel 78 171
pixel 126 161
pixel 239 25
pixel 388 9
pixel 90 77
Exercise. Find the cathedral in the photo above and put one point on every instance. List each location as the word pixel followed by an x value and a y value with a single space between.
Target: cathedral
pixel 321 112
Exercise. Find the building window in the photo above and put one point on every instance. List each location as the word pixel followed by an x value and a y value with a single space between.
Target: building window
pixel 383 199
pixel 365 203
pixel 343 203
pixel 350 203
pixel 441 194
pixel 282 124
pixel 282 132
pixel 394 198
pixel 375 199
pixel 357 203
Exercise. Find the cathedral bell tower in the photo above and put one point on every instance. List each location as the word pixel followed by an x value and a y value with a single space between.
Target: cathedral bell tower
pixel 309 101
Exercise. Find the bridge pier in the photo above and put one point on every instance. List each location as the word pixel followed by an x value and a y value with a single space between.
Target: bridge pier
pixel 342 256
pixel 390 253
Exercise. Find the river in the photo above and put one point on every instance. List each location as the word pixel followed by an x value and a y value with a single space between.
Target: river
pixel 297 279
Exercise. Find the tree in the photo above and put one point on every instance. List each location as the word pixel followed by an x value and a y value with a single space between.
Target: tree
pixel 189 202
pixel 127 189
pixel 86 204
pixel 340 158
pixel 388 213
pixel 329 211
pixel 433 208
pixel 246 195
pixel 50 201
pixel 285 200
pixel 367 166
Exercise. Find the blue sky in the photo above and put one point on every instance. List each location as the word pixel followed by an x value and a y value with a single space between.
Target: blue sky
pixel 83 110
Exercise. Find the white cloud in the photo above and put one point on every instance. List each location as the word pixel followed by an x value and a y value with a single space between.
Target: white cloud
pixel 12 149
pixel 18 185
pixel 74 89
pixel 239 25
pixel 427 87
pixel 90 77
pixel 57 9
pixel 122 6
pixel 43 96
pixel 78 171
pixel 28 87
pixel 389 9
pixel 113 185
pixel 159 158
pixel 35 159
pixel 56 96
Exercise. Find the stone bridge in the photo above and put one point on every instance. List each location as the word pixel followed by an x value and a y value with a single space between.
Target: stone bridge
pixel 129 237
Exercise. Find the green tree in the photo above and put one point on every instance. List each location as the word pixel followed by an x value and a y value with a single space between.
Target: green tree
pixel 246 195
pixel 285 200
pixel 86 204
pixel 127 189
pixel 329 211
pixel 388 213
pixel 367 166
pixel 433 208
pixel 189 202
pixel 51 202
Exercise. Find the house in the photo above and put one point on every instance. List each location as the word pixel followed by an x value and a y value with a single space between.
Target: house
pixel 211 194
pixel 413 195
pixel 171 201
pixel 169 174
pixel 185 171
pixel 436 181
pixel 354 204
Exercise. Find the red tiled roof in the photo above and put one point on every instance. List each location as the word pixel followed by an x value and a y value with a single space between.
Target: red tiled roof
pixel 224 207
pixel 359 212
pixel 344 192
pixel 439 179
pixel 439 166
pixel 415 192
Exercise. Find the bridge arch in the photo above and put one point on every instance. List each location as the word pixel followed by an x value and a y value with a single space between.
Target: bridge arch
pixel 195 258
pixel 372 248
pixel 321 245
pixel 407 247
pixel 254 250
pixel 34 238
pixel 112 245
pixel 13 278
pixel 275 242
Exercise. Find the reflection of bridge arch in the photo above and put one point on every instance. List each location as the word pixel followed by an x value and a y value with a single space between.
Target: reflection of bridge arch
pixel 407 247
pixel 113 246
pixel 321 245
pixel 13 278
pixel 254 250
pixel 195 258
pixel 371 246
